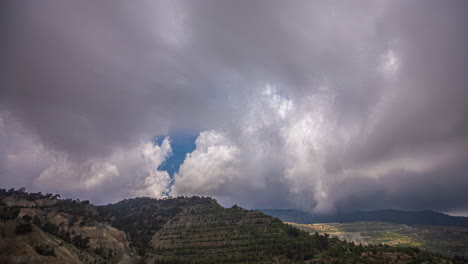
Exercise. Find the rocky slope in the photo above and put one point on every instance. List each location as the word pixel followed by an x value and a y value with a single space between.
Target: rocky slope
pixel 44 229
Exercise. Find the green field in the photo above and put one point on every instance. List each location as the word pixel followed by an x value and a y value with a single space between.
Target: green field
pixel 447 240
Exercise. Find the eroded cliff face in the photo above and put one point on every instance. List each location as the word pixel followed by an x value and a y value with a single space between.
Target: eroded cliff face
pixel 103 238
pixel 37 246
pixel 53 236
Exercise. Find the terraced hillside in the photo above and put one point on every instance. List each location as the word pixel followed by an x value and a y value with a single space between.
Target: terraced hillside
pixel 209 233
pixel 199 230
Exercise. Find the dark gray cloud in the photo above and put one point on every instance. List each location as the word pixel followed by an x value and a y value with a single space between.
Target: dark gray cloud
pixel 441 189
pixel 429 94
pixel 85 77
pixel 321 105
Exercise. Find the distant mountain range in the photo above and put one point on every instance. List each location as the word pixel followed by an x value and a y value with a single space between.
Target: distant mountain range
pixel 426 217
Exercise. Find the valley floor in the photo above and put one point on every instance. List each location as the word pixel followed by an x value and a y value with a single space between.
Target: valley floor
pixel 446 240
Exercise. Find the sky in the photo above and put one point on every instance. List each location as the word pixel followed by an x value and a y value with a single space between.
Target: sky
pixel 324 106
pixel 181 144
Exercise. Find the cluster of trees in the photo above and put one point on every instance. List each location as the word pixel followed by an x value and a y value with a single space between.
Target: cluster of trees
pixel 23 228
pixel 21 193
pixel 8 212
pixel 44 250
pixel 105 253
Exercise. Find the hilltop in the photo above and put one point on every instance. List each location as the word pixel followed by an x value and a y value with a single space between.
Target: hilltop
pixel 43 228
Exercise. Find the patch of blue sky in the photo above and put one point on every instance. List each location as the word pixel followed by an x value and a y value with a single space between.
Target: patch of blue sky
pixel 181 144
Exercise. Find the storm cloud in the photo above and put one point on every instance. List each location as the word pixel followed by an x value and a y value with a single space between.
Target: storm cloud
pixel 318 105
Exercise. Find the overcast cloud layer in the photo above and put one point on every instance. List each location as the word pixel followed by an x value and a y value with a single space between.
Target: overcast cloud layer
pixel 318 105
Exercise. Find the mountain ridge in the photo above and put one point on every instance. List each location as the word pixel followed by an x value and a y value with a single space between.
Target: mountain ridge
pixel 424 217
